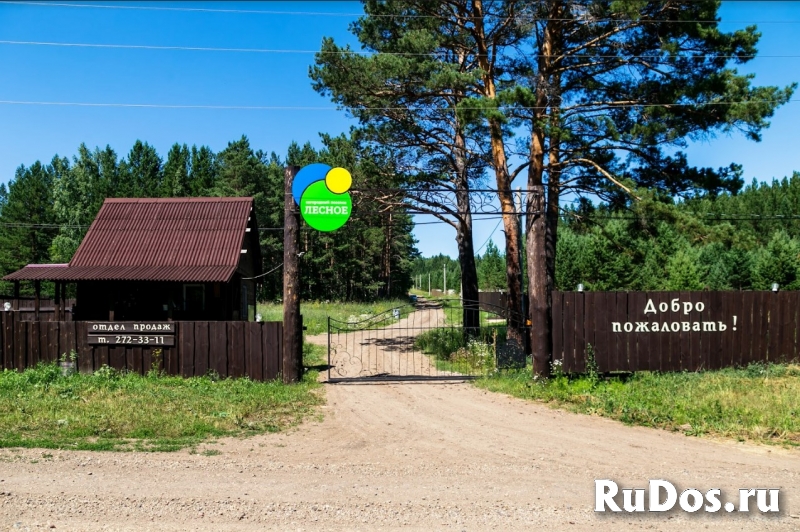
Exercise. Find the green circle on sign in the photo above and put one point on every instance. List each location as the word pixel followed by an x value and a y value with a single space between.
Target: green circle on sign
pixel 322 209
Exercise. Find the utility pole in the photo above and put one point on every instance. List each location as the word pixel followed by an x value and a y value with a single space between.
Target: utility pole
pixel 292 367
pixel 444 282
pixel 429 283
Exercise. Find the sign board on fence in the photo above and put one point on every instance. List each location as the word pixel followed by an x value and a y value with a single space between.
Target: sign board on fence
pixel 133 333
pixel 132 327
pixel 131 339
pixel 674 331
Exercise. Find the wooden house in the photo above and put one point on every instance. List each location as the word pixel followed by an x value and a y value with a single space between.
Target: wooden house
pixel 159 259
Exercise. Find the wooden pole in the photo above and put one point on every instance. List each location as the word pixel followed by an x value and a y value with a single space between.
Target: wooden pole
pixel 15 303
pixel 292 324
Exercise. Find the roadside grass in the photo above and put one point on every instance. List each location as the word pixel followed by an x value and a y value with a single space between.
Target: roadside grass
pixel 315 313
pixel 759 403
pixel 454 351
pixel 112 411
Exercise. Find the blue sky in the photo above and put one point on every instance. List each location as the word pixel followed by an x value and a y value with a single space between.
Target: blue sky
pixel 178 77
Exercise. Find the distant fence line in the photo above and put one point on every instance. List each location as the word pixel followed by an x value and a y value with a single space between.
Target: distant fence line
pixel 674 331
pixel 229 348
pixel 25 309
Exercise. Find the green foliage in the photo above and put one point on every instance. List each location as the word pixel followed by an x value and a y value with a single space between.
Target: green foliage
pixel 746 241
pixel 109 410
pixel 316 313
pixel 371 257
pixel 435 267
pixel 460 351
pixel 491 268
pixel 758 403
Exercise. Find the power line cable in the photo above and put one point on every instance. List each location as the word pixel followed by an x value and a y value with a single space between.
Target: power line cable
pixel 407 108
pixel 665 55
pixel 585 19
pixel 490 237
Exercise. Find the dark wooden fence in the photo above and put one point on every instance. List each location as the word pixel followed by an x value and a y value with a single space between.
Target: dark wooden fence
pixel 674 331
pixel 230 348
pixel 24 308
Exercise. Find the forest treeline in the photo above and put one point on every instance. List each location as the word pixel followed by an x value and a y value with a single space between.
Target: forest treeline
pixel 47 208
pixel 743 241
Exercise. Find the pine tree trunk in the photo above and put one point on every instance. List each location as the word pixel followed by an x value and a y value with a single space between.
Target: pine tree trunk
pixel 466 247
pixel 504 193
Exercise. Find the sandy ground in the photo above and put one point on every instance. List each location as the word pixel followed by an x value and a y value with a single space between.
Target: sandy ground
pixel 425 456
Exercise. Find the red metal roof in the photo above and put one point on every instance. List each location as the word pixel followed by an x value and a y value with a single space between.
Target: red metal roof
pixel 33 272
pixel 157 239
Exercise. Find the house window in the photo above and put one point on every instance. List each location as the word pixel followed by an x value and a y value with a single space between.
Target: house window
pixel 194 297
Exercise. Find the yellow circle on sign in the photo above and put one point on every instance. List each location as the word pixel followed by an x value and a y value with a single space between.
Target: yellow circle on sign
pixel 338 180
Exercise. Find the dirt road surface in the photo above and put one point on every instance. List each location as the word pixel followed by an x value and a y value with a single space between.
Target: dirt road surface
pixel 429 456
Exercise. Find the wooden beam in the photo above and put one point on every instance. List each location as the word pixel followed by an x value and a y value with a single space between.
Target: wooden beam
pixel 292 326
pixel 37 288
pixel 57 303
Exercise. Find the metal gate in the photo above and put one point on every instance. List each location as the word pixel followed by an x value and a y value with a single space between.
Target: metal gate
pixel 424 341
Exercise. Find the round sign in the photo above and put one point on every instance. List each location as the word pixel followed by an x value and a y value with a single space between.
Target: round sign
pixel 324 210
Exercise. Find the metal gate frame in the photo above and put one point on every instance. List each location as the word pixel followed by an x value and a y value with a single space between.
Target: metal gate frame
pixel 421 342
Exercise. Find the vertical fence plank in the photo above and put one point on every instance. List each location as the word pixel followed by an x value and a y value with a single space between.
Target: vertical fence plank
pixel 580 341
pixel 20 344
pixel 255 350
pixel 34 350
pixel 568 310
pixel 66 339
pixel 147 360
pixel 785 345
pixel 201 348
pixel 79 332
pixel 700 354
pixel 8 340
pixel 655 336
pixel 273 345
pixel 712 344
pixel 235 348
pixel 729 305
pixel 755 327
pixel 765 304
pixel 135 361
pixel 742 352
pixel 557 327
pixel 589 326
pixel 602 334
pixel 614 336
pixel 218 345
pixel 116 357
pixel 638 342
pixel 794 304
pixel 185 348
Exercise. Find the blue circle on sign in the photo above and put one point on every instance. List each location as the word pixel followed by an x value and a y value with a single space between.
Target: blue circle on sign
pixel 307 175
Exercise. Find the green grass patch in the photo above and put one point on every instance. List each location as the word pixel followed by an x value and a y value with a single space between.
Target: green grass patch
pixel 453 350
pixel 122 412
pixel 315 313
pixel 759 403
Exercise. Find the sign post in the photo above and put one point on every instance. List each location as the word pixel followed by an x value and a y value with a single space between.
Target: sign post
pixel 292 326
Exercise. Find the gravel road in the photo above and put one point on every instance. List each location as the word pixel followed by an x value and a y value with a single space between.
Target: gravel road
pixel 422 456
